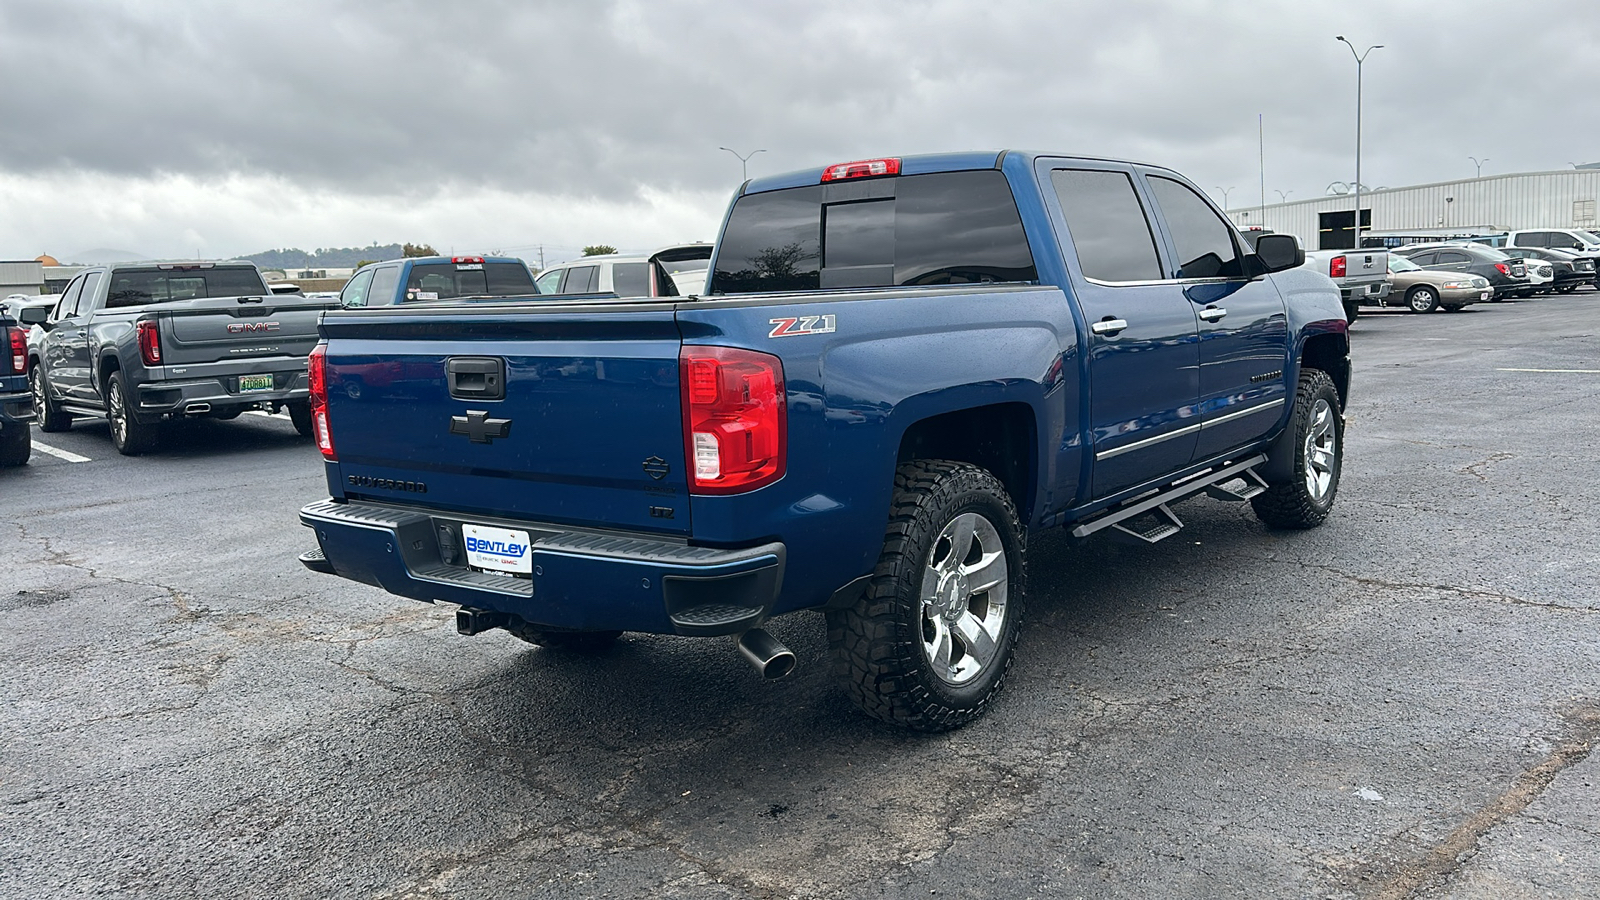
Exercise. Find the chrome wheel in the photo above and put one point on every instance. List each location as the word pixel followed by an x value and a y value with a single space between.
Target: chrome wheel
pixel 964 599
pixel 1320 451
pixel 37 384
pixel 1423 300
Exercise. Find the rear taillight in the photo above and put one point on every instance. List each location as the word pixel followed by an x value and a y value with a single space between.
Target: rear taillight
pixel 18 342
pixel 735 422
pixel 1336 267
pixel 149 342
pixel 317 377
pixel 866 168
pixel 1502 268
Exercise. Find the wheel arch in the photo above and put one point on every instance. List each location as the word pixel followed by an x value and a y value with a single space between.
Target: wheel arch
pixel 1329 352
pixel 1000 437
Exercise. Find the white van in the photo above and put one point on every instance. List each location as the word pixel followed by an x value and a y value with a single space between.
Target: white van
pixel 676 271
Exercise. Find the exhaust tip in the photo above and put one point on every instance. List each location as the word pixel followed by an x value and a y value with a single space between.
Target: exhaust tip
pixel 770 657
pixel 195 409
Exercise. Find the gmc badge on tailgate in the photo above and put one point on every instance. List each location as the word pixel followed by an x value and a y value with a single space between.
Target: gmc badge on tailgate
pixel 251 327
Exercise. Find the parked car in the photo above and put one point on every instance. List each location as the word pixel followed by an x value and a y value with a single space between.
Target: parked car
pixel 16 303
pixel 16 402
pixel 1508 276
pixel 145 343
pixel 898 368
pixel 1570 270
pixel 423 279
pixel 1425 290
pixel 677 271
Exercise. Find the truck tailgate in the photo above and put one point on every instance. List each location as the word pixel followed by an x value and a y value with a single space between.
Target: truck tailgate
pixel 219 329
pixel 588 430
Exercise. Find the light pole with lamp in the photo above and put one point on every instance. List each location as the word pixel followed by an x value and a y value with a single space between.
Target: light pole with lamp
pixel 743 168
pixel 1283 196
pixel 1360 58
pixel 1225 192
pixel 1479 163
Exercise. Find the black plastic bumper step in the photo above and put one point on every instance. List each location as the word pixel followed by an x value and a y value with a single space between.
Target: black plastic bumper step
pixel 316 562
pixel 716 618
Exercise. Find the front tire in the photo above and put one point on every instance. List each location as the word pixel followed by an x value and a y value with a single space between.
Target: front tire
pixel 929 644
pixel 1305 500
pixel 16 444
pixel 50 416
pixel 1422 299
pixel 130 436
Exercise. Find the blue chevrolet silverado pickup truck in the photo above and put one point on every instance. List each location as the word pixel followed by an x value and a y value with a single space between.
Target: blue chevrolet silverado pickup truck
pixel 901 366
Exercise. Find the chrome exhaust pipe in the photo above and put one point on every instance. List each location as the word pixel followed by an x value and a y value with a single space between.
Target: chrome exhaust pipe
pixel 195 409
pixel 772 659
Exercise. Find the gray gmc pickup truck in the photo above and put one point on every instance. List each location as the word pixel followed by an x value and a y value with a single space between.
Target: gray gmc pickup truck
pixel 145 343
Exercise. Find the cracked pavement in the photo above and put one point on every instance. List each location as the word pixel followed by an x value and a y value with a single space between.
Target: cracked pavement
pixel 1401 703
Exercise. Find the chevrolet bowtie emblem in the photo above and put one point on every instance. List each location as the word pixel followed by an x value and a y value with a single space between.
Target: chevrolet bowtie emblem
pixel 478 427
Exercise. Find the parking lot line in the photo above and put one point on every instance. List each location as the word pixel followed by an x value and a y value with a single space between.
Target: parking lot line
pixel 1553 371
pixel 58 453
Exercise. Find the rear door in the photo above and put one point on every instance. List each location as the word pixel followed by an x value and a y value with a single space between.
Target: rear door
pixel 1244 330
pixel 562 413
pixel 1143 354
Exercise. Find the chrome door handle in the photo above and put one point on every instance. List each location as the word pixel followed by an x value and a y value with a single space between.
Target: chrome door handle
pixel 1212 313
pixel 1109 326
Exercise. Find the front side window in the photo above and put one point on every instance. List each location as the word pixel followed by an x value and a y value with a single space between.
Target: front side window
pixel 1108 224
pixel 1451 257
pixel 550 282
pixel 1564 241
pixel 1202 239
pixel 67 306
pixel 355 293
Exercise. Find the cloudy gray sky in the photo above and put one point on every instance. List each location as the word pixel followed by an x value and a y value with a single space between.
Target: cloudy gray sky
pixel 170 127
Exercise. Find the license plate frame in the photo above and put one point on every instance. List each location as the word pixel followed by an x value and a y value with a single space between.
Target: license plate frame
pixel 254 384
pixel 506 551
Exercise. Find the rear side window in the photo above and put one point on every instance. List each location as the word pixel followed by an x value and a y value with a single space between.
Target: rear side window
pixel 136 287
pixel 631 279
pixel 1108 225
pixel 444 281
pixel 1202 239
pixel 1533 239
pixel 581 280
pixel 943 228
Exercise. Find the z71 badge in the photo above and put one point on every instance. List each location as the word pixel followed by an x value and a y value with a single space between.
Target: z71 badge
pixel 798 325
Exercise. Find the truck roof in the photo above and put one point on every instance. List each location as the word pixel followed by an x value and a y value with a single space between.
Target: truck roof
pixel 919 164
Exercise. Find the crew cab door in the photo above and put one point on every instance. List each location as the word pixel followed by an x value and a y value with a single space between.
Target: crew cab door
pixel 1142 355
pixel 1244 330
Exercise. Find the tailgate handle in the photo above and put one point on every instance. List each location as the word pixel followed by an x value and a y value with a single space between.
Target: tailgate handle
pixel 476 377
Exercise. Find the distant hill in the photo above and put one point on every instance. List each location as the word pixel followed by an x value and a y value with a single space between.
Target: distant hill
pixel 323 257
pixel 101 256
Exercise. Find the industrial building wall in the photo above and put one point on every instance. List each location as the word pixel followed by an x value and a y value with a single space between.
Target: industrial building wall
pixel 21 277
pixel 1564 199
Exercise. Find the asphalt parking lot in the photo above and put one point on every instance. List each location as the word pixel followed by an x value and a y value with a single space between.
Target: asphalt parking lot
pixel 1398 704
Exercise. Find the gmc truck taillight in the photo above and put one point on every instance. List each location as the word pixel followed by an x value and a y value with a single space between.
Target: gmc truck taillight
pixel 17 341
pixel 149 342
pixel 1336 267
pixel 735 421
pixel 317 378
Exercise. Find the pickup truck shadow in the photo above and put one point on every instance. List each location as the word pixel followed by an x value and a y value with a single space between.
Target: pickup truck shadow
pixel 201 438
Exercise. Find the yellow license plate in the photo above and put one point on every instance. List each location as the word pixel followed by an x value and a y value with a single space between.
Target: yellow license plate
pixel 248 383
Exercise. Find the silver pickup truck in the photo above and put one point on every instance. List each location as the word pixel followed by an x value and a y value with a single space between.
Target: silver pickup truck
pixel 1362 276
pixel 145 343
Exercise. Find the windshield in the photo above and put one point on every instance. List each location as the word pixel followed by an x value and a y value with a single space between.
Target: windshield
pixel 1401 264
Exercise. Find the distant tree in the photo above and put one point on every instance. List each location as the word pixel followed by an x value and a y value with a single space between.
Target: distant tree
pixel 410 250
pixel 366 262
pixel 598 250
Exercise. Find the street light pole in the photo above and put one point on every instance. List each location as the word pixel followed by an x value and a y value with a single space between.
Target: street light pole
pixel 1283 196
pixel 1360 58
pixel 1479 163
pixel 743 168
pixel 1225 192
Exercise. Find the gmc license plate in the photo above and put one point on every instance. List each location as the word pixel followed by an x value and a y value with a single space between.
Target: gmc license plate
pixel 497 549
pixel 248 383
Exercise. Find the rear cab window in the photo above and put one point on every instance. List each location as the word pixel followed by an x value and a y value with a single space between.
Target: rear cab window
pixel 939 228
pixel 448 280
pixel 164 284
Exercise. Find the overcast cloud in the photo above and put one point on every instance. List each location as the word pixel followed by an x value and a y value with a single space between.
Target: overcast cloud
pixel 170 128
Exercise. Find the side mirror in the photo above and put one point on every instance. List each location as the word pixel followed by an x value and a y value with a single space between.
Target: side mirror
pixel 33 315
pixel 1278 252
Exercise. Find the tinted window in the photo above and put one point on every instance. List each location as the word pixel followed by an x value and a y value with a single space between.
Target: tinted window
pixel 355 293
pixel 1424 259
pixel 581 280
pixel 550 282
pixel 1564 241
pixel 772 243
pixel 1452 256
pixel 384 282
pixel 1532 239
pixel 1108 225
pixel 1203 239
pixel 136 287
pixel 444 281
pixel 631 279
pixel 943 228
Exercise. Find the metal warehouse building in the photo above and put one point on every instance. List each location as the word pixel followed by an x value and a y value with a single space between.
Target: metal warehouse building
pixel 1561 199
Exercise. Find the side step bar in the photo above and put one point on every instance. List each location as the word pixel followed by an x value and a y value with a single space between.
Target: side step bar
pixel 1207 482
